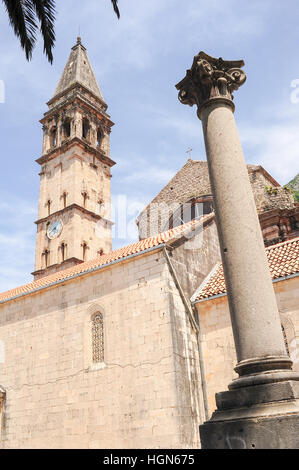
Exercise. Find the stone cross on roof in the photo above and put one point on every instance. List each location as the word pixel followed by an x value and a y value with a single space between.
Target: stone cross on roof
pixel 78 70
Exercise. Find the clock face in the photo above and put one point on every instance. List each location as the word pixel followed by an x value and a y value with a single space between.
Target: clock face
pixel 54 229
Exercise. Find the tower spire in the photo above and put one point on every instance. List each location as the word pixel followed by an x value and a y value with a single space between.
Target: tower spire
pixel 78 70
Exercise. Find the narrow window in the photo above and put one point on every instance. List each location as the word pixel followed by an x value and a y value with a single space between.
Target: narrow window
pixel 100 206
pixel 63 252
pixel 97 338
pixel 67 128
pixel 85 197
pixel 99 138
pixel 84 249
pixel 49 206
pixel 53 137
pixel 85 128
pixel 101 252
pixel 64 196
pixel 46 256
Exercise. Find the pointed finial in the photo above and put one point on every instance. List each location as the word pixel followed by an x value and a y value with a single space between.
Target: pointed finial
pixel 79 40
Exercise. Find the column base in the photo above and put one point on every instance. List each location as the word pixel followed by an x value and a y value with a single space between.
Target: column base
pixel 264 378
pixel 255 417
pixel 263 364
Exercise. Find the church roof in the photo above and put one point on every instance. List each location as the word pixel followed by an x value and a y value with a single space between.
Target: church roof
pixel 283 260
pixel 78 71
pixel 113 257
pixel 192 180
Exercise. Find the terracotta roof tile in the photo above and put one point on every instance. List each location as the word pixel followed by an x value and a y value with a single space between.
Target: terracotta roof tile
pixel 102 260
pixel 283 261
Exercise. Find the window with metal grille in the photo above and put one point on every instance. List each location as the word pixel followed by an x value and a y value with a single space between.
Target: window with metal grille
pixel 97 338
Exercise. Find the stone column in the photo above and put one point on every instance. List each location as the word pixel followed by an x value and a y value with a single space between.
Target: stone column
pixel 261 353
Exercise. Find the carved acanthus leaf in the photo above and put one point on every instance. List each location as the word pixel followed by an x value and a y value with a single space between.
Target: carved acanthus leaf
pixel 210 78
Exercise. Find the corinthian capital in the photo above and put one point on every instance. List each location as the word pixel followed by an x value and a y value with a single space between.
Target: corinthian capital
pixel 210 78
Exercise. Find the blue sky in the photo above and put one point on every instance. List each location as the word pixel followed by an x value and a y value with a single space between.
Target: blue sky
pixel 137 61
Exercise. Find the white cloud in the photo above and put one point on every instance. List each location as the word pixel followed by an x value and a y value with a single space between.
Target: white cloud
pixel 150 174
pixel 277 150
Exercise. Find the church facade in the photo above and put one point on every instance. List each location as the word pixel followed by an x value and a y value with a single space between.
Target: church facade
pixel 124 348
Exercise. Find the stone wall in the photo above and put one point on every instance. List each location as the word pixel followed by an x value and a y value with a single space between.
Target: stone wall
pixel 219 354
pixel 73 173
pixel 194 258
pixel 268 196
pixel 146 394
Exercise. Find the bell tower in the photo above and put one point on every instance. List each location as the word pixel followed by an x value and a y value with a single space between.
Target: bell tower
pixel 74 221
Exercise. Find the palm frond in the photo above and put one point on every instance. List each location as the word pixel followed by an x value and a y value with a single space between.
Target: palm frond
pixel 115 8
pixel 22 18
pixel 45 11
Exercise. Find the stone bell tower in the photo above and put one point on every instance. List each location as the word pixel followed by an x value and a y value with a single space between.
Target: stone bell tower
pixel 74 202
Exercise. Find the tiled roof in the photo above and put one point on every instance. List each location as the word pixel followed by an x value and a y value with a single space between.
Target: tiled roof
pixel 106 259
pixel 193 180
pixel 283 261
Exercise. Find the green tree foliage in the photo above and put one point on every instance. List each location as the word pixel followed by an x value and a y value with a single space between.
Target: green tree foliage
pixel 294 187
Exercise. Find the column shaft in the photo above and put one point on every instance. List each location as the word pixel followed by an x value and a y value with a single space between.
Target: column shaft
pixel 254 314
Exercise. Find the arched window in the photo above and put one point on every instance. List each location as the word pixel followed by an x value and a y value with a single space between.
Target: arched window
pixel 193 209
pixel 63 247
pixel 85 128
pixel 100 206
pixel 97 338
pixel 53 137
pixel 46 257
pixel 99 138
pixel 67 128
pixel 64 197
pixel 49 206
pixel 85 197
pixel 84 249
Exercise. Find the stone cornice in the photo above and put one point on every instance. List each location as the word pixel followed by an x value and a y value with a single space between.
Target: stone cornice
pixel 210 79
pixel 71 99
pixel 56 265
pixel 77 85
pixel 279 213
pixel 70 207
pixel 100 155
